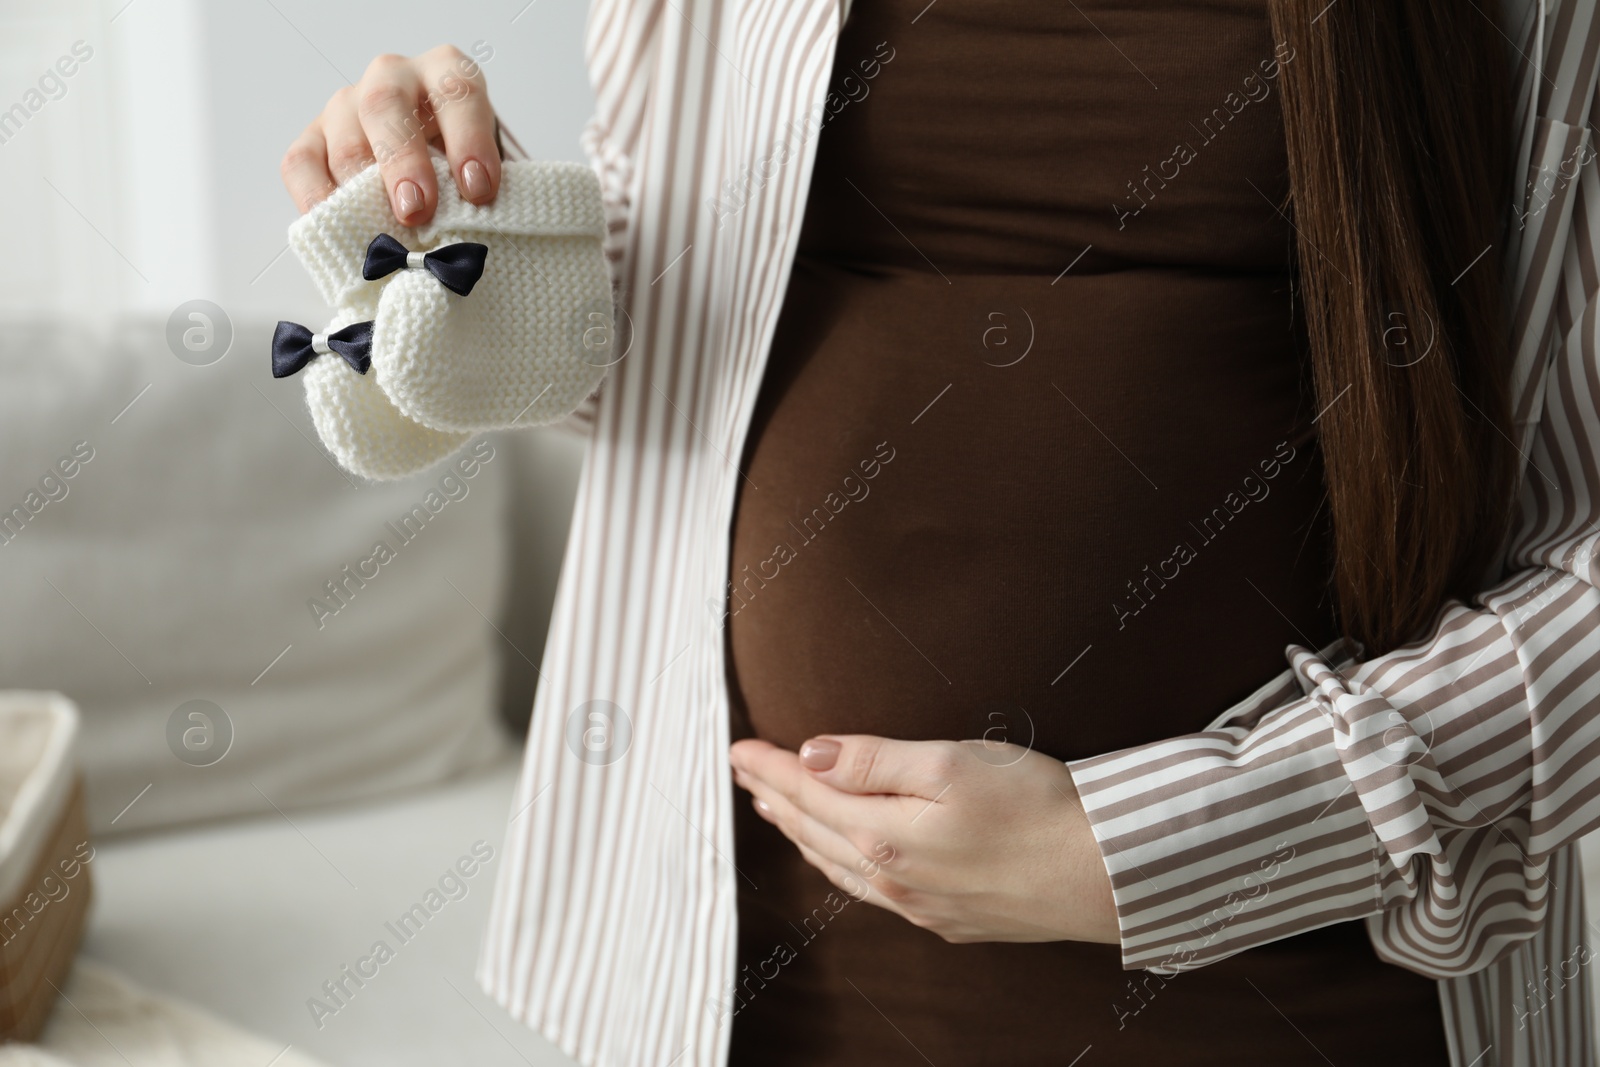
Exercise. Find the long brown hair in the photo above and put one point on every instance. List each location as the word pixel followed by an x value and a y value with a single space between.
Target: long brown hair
pixel 1397 117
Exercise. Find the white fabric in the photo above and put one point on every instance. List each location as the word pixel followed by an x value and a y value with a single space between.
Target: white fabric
pixel 511 353
pixel 107 1021
pixel 181 562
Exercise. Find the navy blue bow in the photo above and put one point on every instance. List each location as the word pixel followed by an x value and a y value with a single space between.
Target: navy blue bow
pixel 293 346
pixel 458 267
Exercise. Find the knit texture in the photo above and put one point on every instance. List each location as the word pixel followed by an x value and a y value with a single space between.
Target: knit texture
pixel 530 342
pixel 360 425
pixel 357 422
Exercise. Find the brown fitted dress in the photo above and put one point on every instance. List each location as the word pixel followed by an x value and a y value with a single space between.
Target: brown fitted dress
pixel 1040 334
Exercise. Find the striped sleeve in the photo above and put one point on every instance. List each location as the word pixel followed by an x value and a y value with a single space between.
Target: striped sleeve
pixel 1426 790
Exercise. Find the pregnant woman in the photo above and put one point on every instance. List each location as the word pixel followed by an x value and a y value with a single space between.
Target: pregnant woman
pixel 1012 386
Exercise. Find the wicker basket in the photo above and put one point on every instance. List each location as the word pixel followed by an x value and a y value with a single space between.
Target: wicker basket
pixel 45 857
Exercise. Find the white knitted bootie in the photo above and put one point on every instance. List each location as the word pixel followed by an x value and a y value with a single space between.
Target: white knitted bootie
pixel 353 416
pixel 519 349
pixel 487 318
pixel 359 424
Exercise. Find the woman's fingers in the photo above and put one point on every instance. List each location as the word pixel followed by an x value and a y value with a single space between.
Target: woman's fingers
pixel 397 121
pixel 460 106
pixel 305 169
pixel 399 107
pixel 780 771
pixel 843 879
pixel 348 151
pixel 799 826
pixel 863 764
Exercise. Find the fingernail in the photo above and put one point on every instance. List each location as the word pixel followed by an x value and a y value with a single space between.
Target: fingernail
pixel 763 807
pixel 819 754
pixel 409 194
pixel 475 179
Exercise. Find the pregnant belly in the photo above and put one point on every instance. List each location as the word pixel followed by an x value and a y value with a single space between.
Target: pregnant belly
pixel 1078 515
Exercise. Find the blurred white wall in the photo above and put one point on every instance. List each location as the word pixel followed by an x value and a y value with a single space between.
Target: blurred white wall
pixel 148 175
pixel 105 163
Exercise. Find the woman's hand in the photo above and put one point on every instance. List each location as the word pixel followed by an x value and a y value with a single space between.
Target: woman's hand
pixel 389 117
pixel 971 840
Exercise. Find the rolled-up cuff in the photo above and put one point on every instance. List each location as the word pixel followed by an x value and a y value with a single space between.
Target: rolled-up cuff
pixel 1219 841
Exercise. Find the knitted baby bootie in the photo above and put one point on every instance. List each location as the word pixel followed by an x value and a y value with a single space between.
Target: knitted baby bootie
pixel 358 423
pixel 486 318
pixel 353 416
pixel 496 316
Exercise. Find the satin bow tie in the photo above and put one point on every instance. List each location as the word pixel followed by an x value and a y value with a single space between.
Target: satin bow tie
pixel 293 346
pixel 458 267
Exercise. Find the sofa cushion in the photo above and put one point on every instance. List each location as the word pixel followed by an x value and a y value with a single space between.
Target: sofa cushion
pixel 243 625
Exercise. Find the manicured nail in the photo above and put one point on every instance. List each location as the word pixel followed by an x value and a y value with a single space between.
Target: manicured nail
pixel 763 807
pixel 475 179
pixel 819 754
pixel 410 196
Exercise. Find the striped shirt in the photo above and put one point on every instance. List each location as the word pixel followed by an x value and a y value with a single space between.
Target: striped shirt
pixel 1436 792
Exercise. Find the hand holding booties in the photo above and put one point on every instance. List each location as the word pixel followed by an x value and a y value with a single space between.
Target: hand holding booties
pixel 486 318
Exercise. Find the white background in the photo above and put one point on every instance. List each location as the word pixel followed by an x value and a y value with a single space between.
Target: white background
pixel 163 153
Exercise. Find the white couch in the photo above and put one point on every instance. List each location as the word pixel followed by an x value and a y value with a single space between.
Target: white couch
pixel 248 919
